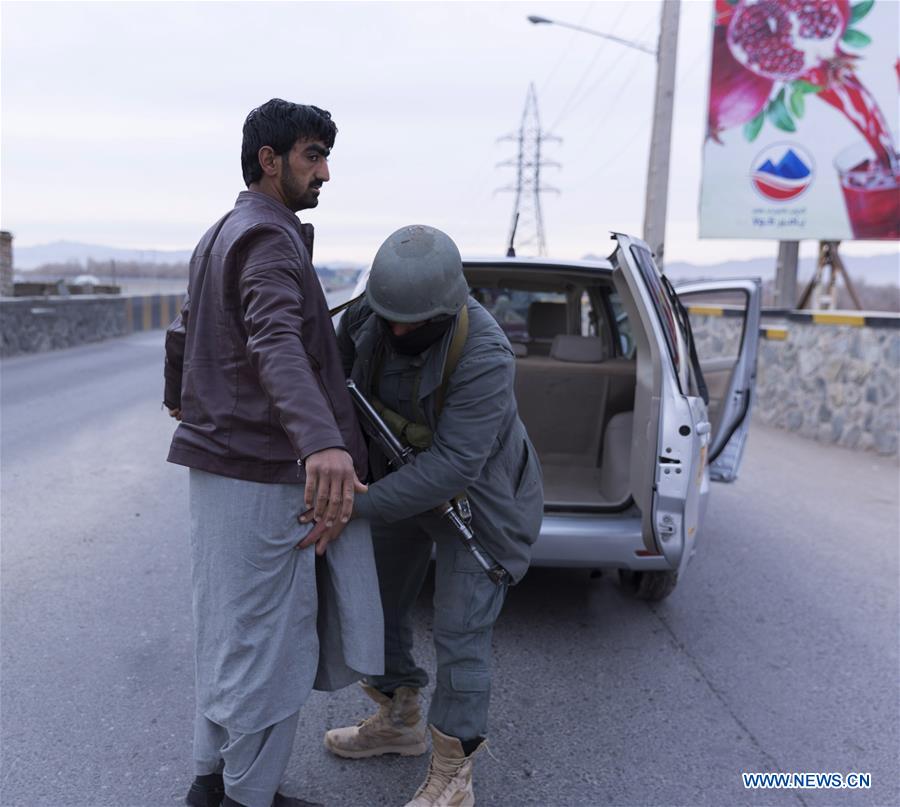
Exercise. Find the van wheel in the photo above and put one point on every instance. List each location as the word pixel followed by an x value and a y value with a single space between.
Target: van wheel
pixel 652 586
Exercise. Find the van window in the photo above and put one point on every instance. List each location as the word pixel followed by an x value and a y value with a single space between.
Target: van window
pixel 589 321
pixel 717 323
pixel 665 308
pixel 622 326
pixel 511 308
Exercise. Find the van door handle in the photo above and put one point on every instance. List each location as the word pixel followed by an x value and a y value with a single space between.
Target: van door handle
pixel 703 427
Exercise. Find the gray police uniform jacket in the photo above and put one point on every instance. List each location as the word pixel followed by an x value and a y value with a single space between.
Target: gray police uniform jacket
pixel 480 445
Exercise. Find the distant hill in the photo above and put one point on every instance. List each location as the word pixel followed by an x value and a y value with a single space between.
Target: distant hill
pixel 26 258
pixel 171 261
pixel 134 269
pixel 874 270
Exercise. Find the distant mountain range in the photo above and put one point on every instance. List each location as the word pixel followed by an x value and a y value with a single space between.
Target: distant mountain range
pixel 873 269
pixel 25 258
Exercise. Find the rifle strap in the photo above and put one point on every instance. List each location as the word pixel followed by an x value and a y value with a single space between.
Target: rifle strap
pixel 416 434
pixel 453 354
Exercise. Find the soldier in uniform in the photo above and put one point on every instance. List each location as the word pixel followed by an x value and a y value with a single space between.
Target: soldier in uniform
pixel 441 370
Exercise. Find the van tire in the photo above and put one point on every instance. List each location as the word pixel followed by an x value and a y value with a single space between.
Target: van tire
pixel 650 586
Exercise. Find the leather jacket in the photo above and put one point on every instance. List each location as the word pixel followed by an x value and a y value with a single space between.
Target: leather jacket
pixel 252 361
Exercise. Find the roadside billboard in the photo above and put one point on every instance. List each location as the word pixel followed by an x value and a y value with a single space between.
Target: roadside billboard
pixel 802 116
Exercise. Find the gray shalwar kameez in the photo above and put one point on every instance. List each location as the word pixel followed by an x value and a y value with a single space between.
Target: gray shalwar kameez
pixel 253 366
pixel 268 627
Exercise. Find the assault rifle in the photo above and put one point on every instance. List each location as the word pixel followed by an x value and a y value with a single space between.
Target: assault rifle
pixel 398 455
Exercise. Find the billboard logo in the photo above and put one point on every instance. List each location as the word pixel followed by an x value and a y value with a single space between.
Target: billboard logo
pixel 782 172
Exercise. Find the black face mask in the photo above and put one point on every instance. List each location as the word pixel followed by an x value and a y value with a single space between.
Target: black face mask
pixel 419 340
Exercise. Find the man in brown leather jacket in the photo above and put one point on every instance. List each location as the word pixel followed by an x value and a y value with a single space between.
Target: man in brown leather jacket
pixel 268 430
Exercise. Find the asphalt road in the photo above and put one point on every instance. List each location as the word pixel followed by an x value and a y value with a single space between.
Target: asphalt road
pixel 778 651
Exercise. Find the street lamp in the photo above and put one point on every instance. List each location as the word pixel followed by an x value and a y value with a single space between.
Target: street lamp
pixel 533 18
pixel 661 135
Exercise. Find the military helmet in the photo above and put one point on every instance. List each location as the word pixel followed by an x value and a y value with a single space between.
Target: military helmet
pixel 416 275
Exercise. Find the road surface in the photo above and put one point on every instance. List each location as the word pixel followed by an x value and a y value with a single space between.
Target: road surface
pixel 777 652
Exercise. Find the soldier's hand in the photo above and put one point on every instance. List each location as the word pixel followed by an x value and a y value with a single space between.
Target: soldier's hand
pixel 321 536
pixel 331 483
pixel 175 413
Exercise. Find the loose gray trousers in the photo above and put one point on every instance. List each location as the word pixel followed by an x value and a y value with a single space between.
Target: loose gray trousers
pixel 256 646
pixel 251 764
pixel 466 605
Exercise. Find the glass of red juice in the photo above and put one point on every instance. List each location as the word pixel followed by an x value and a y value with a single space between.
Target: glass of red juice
pixel 871 191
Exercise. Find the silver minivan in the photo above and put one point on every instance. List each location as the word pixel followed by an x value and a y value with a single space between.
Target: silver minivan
pixel 630 414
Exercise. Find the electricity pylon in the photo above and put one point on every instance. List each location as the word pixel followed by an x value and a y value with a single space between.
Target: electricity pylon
pixel 527 224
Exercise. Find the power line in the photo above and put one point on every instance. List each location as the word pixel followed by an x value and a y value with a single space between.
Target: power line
pixel 630 140
pixel 587 71
pixel 565 107
pixel 604 79
pixel 603 122
pixel 567 50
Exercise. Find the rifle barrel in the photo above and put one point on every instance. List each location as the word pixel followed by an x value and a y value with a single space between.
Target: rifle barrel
pixel 398 454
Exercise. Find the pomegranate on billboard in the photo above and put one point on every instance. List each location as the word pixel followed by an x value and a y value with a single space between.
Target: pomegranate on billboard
pixel 798 141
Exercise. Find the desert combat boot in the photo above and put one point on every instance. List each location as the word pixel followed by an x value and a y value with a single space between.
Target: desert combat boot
pixel 396 728
pixel 449 780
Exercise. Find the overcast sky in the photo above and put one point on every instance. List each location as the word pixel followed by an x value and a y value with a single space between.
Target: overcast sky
pixel 121 122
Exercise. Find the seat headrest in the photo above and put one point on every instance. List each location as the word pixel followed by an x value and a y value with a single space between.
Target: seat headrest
pixel 585 349
pixel 546 320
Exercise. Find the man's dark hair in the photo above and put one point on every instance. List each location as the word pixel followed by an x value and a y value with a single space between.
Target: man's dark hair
pixel 280 124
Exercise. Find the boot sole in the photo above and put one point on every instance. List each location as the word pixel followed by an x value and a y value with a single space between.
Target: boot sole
pixel 404 751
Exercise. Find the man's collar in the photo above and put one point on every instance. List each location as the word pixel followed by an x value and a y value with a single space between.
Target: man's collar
pixel 256 197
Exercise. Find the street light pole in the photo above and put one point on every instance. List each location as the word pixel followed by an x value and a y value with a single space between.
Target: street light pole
pixel 661 134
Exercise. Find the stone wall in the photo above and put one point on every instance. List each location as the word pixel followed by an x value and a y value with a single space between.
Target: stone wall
pixel 34 324
pixel 6 264
pixel 834 377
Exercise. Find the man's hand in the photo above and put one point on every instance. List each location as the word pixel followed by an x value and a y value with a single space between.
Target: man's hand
pixel 175 413
pixel 331 483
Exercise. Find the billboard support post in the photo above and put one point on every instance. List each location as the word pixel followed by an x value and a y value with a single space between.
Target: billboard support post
pixel 786 274
pixel 829 261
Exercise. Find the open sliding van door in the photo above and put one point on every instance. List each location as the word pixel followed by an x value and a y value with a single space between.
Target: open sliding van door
pixel 724 320
pixel 670 438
